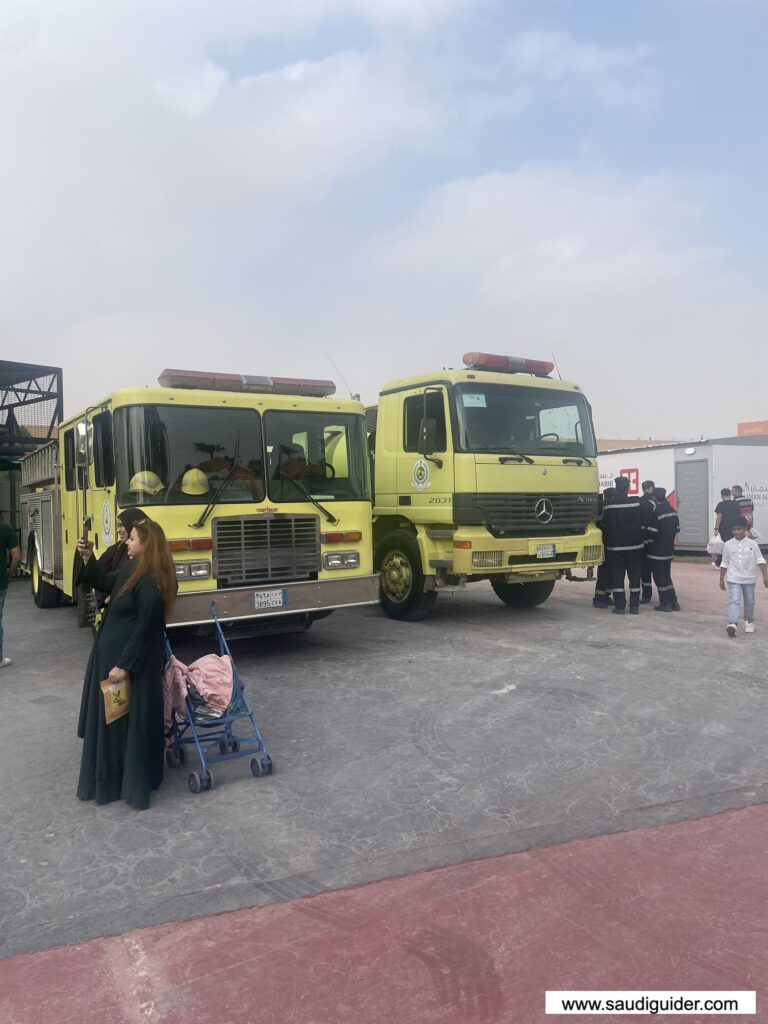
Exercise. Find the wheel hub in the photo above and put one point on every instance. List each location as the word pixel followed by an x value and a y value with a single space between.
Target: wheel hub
pixel 396 576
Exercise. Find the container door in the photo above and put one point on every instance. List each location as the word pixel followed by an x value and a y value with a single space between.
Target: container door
pixel 692 488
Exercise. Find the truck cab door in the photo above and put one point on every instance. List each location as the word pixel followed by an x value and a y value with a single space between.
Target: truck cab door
pixel 425 460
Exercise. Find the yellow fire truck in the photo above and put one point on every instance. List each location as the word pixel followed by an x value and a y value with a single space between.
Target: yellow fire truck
pixel 484 473
pixel 261 484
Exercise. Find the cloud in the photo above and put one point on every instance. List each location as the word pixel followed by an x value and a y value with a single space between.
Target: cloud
pixel 607 272
pixel 555 64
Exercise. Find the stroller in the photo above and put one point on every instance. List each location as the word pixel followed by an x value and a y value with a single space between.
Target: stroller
pixel 213 738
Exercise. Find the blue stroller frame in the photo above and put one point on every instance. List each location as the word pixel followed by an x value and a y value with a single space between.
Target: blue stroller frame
pixel 213 738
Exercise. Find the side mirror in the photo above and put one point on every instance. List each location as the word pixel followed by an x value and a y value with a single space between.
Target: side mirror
pixel 427 436
pixel 83 443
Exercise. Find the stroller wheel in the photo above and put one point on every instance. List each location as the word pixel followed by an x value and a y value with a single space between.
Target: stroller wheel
pixel 235 744
pixel 267 764
pixel 207 782
pixel 170 759
pixel 222 746
pixel 256 770
pixel 193 781
pixel 182 755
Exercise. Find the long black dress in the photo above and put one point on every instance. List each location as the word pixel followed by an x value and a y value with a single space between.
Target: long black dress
pixel 124 759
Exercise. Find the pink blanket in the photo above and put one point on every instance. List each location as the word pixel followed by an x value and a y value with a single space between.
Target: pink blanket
pixel 211 676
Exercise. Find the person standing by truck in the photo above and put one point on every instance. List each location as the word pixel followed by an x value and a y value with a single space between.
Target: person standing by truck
pixel 10 557
pixel 624 523
pixel 603 585
pixel 663 530
pixel 648 504
pixel 125 758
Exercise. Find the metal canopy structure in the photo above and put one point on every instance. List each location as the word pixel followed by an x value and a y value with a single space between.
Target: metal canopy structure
pixel 31 406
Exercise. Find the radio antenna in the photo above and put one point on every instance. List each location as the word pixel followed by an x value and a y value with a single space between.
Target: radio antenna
pixel 341 375
pixel 556 366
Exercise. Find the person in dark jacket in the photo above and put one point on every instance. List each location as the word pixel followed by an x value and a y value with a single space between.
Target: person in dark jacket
pixel 624 523
pixel 663 529
pixel 603 585
pixel 116 556
pixel 125 759
pixel 646 573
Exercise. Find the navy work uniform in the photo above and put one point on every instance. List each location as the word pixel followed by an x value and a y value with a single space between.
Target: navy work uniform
pixel 663 529
pixel 603 585
pixel 624 523
pixel 648 504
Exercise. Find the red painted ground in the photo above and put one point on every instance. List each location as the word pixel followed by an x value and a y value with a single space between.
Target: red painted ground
pixel 681 906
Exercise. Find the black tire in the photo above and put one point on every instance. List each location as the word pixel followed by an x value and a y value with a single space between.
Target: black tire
pixel 44 594
pixel 522 595
pixel 194 783
pixel 256 769
pixel 401 586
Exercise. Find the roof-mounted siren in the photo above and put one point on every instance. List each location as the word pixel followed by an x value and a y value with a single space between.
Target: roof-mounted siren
pixel 507 364
pixel 246 383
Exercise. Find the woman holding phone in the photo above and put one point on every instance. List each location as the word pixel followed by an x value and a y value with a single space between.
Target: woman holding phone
pixel 125 759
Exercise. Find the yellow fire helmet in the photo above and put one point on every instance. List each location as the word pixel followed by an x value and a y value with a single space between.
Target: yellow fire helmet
pixel 147 481
pixel 195 482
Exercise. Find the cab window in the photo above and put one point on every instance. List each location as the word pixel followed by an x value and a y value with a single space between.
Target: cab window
pixel 413 411
pixel 103 459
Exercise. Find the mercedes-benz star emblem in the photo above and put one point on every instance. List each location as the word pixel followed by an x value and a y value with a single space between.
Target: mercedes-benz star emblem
pixel 544 510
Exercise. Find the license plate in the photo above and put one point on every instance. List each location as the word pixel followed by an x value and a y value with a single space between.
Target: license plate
pixel 545 550
pixel 270 599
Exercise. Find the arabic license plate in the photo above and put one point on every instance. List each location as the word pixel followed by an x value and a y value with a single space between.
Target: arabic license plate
pixel 270 599
pixel 545 550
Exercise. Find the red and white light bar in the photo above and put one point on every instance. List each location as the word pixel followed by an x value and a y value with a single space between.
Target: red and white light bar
pixel 507 364
pixel 246 382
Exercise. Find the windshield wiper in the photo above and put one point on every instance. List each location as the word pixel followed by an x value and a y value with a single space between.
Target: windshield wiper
pixel 328 515
pixel 568 457
pixel 579 460
pixel 514 456
pixel 219 490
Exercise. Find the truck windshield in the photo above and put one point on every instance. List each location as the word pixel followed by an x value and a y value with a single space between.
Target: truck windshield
pixel 182 455
pixel 317 453
pixel 509 418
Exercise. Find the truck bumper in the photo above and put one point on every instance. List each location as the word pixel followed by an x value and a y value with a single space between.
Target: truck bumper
pixel 240 603
pixel 524 558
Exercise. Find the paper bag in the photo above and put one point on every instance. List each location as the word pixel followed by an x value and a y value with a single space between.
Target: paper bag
pixel 117 699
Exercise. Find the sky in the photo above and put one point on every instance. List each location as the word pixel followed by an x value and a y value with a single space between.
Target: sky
pixel 275 186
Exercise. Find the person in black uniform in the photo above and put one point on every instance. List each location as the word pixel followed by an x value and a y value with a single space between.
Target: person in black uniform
pixel 624 532
pixel 663 529
pixel 603 585
pixel 646 573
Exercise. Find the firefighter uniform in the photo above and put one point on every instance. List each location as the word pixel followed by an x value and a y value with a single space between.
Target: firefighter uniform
pixel 603 585
pixel 663 529
pixel 624 523
pixel 646 574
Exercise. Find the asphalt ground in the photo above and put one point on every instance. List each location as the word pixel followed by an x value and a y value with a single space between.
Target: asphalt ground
pixel 399 747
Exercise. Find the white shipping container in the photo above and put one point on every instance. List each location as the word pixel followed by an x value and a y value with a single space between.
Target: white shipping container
pixel 693 473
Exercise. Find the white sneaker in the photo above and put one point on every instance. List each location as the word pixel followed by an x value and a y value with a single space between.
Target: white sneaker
pixel 5 662
pixel 749 627
pixel 730 629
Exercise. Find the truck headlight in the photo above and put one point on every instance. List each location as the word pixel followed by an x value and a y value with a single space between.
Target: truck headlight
pixel 193 570
pixel 341 560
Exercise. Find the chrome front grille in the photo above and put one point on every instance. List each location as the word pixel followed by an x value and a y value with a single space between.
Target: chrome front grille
pixel 516 514
pixel 267 548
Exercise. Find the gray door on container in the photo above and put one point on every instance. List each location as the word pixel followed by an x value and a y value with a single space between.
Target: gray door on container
pixel 692 488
